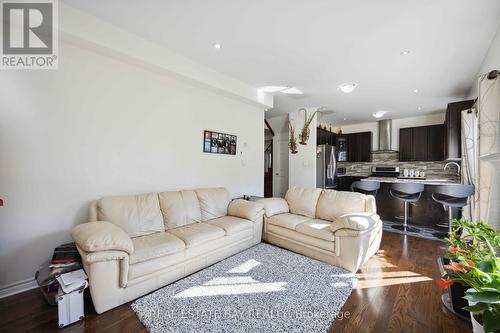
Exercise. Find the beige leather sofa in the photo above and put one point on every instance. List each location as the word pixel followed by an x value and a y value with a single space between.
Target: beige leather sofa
pixel 139 243
pixel 340 228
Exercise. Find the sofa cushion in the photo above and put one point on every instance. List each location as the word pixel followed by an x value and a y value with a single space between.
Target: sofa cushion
pixel 316 228
pixel 197 233
pixel 231 224
pixel 355 221
pixel 332 204
pixel 301 238
pixel 213 202
pixel 287 220
pixel 138 215
pixel 274 206
pixel 245 209
pixel 179 208
pixel 101 236
pixel 302 201
pixel 154 246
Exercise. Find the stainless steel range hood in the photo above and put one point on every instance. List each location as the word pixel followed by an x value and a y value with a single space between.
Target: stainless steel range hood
pixel 385 135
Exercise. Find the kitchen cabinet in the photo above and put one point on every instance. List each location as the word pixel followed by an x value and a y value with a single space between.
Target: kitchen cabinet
pixel 453 130
pixel 358 146
pixel 435 142
pixel 344 182
pixel 423 143
pixel 325 137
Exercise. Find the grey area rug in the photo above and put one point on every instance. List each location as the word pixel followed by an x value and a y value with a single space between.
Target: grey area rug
pixel 262 289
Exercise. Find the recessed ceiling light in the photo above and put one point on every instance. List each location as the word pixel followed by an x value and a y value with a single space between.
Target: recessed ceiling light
pixel 415 91
pixel 419 108
pixel 347 87
pixel 218 46
pixel 405 52
pixel 292 91
pixel 272 89
pixel 379 114
pixel 345 119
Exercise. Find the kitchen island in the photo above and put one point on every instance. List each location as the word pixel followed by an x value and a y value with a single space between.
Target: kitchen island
pixel 425 213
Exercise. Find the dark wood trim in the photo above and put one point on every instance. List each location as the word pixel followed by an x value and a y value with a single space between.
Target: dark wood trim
pixel 269 126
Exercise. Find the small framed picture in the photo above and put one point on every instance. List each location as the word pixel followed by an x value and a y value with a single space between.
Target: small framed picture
pixel 220 143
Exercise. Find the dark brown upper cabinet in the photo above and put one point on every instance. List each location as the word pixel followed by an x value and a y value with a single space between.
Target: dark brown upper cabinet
pixel 423 143
pixel 324 137
pixel 453 146
pixel 360 147
pixel 357 145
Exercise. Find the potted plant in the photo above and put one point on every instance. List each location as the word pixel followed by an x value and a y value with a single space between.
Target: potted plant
pixel 474 262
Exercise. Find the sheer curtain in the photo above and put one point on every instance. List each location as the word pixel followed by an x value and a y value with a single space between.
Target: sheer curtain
pixel 489 148
pixel 470 160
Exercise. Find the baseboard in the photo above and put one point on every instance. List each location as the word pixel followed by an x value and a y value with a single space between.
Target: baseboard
pixel 17 287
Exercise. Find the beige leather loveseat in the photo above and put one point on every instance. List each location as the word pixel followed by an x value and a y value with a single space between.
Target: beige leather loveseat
pixel 139 243
pixel 340 228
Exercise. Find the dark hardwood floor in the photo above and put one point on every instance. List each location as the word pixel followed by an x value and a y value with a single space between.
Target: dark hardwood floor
pixel 397 293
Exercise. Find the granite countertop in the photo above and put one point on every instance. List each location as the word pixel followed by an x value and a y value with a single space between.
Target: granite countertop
pixel 355 175
pixel 428 181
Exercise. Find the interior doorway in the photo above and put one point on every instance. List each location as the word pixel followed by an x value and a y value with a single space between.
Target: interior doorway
pixel 268 160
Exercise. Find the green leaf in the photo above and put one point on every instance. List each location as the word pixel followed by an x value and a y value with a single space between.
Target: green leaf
pixel 479 307
pixel 483 297
pixel 493 290
pixel 487 266
pixel 491 321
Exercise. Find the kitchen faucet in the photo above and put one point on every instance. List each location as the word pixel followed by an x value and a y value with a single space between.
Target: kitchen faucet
pixel 454 163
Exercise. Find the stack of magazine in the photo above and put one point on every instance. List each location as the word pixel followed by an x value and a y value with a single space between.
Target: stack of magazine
pixel 71 281
pixel 65 259
pixel 66 256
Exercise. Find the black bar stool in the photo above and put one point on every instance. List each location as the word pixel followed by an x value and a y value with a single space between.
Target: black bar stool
pixel 452 196
pixel 408 193
pixel 365 187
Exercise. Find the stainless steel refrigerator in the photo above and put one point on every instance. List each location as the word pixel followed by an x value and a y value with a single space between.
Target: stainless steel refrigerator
pixel 326 166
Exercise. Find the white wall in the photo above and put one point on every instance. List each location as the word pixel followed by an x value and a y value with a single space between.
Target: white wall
pixel 492 59
pixel 423 120
pixel 96 127
pixel 302 166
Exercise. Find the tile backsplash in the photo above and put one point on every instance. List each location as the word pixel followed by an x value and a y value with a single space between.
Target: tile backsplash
pixel 432 169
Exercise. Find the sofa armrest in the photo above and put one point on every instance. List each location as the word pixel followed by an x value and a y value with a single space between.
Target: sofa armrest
pixel 371 204
pixel 104 261
pixel 274 206
pixel 249 210
pixel 353 224
pixel 101 236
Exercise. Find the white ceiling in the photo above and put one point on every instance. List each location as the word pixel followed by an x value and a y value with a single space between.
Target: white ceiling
pixel 317 44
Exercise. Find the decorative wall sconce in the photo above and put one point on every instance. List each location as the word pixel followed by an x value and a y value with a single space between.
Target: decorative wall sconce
pixel 304 134
pixel 293 138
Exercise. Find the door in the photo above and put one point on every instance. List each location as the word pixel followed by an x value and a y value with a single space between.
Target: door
pixel 354 154
pixel 405 144
pixel 366 146
pixel 280 169
pixel 268 168
pixel 435 142
pixel 419 137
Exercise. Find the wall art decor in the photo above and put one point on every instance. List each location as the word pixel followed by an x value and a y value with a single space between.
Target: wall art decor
pixel 304 134
pixel 219 143
pixel 293 138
